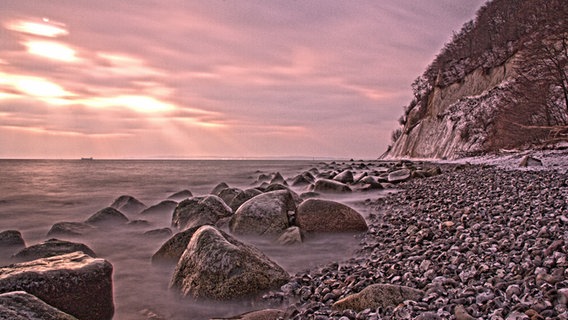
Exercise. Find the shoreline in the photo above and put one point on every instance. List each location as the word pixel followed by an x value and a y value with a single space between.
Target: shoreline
pixel 483 237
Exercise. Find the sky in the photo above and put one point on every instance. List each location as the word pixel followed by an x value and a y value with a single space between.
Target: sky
pixel 213 79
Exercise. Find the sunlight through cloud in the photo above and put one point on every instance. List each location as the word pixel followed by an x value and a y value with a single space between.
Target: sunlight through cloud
pixel 51 50
pixel 38 29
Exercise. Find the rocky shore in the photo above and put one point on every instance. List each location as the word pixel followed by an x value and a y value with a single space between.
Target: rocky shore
pixel 451 241
pixel 479 242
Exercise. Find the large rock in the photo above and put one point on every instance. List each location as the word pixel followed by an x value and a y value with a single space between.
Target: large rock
pixel 20 305
pixel 164 207
pixel 265 214
pixel 11 239
pixel 128 204
pixel 303 179
pixel 199 211
pixel 330 186
pixel 528 161
pixel 107 216
pixel 316 215
pixel 72 229
pixel 345 177
pixel 181 195
pixel 215 266
pixel 171 250
pixel 378 296
pixel 399 175
pixel 218 188
pixel 73 283
pixel 241 197
pixel 50 248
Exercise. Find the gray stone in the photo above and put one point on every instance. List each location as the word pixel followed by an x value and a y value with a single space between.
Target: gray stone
pixel 128 204
pixel 173 248
pixel 344 177
pixel 399 175
pixel 181 195
pixel 216 266
pixel 108 217
pixel 291 236
pixel 331 186
pixel 528 161
pixel 316 215
pixel 265 214
pixel 50 248
pixel 199 211
pixel 11 239
pixel 71 229
pixel 20 305
pixel 378 296
pixel 242 197
pixel 266 314
pixel 73 283
pixel 164 207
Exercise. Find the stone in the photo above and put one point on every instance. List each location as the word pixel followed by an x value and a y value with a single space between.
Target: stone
pixel 228 194
pixel 266 314
pixel 265 214
pixel 345 176
pixel 216 266
pixel 50 248
pixel 74 283
pixel 278 179
pixel 218 188
pixel 528 161
pixel 173 248
pixel 158 233
pixel 378 296
pixel 399 175
pixel 243 196
pixel 107 216
pixel 164 207
pixel 330 186
pixel 199 211
pixel 291 236
pixel 11 239
pixel 303 179
pixel 461 314
pixel 72 229
pixel 317 215
pixel 20 305
pixel 181 195
pixel 128 204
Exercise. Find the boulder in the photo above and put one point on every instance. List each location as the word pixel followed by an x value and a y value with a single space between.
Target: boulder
pixel 378 296
pixel 345 176
pixel 11 239
pixel 74 283
pixel 171 250
pixel 20 305
pixel 50 248
pixel 291 236
pixel 181 195
pixel 278 179
pixel 199 211
pixel 107 216
pixel 399 175
pixel 72 229
pixel 266 314
pixel 158 233
pixel 218 188
pixel 303 179
pixel 216 266
pixel 528 161
pixel 316 215
pixel 242 197
pixel 265 214
pixel 330 186
pixel 128 204
pixel 164 207
pixel 228 194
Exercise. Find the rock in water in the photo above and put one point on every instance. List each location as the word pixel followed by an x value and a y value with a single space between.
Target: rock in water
pixel 70 229
pixel 291 236
pixel 199 211
pixel 181 195
pixel 331 186
pixel 216 266
pixel 128 204
pixel 73 283
pixel 51 248
pixel 242 197
pixel 107 216
pixel 315 215
pixel 399 175
pixel 171 250
pixel 345 177
pixel 265 214
pixel 20 305
pixel 166 206
pixel 378 296
pixel 11 240
pixel 529 161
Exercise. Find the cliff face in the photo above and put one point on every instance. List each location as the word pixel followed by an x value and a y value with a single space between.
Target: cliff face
pixel 458 118
pixel 502 82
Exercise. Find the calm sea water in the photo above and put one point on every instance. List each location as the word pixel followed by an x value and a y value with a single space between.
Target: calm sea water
pixel 35 194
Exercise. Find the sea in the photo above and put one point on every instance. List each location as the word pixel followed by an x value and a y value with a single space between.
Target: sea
pixel 35 194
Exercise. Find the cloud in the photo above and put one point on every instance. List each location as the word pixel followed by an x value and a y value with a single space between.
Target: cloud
pixel 233 77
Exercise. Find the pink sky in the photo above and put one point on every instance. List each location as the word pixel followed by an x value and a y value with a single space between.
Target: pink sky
pixel 216 78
